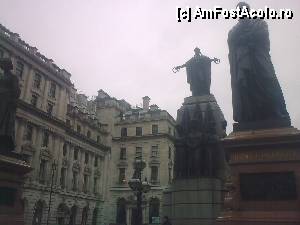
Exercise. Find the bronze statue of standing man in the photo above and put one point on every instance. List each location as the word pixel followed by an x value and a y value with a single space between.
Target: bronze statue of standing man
pixel 256 93
pixel 198 71
pixel 9 93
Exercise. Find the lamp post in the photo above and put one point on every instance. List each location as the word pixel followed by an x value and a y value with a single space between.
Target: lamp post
pixel 53 169
pixel 139 187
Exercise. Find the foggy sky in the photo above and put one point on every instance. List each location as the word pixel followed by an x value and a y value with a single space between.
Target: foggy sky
pixel 128 48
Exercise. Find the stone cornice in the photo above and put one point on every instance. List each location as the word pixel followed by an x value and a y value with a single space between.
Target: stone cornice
pixel 144 137
pixel 31 52
pixel 61 124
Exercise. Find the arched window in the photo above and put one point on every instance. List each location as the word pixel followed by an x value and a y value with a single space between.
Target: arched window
pixel 38 213
pixel 153 209
pixel 63 214
pixel 121 211
pixel 84 215
pixel 95 215
pixel 72 220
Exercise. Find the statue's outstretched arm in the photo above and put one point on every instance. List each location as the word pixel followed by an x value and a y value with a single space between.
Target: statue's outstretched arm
pixel 215 60
pixel 177 68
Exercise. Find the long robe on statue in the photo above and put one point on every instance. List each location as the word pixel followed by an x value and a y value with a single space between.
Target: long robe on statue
pixel 198 71
pixel 256 93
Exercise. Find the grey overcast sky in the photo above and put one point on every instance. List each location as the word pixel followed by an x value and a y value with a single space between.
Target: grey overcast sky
pixel 128 48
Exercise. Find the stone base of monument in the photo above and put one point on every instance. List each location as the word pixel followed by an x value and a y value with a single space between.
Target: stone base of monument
pixel 193 201
pixel 265 182
pixel 12 171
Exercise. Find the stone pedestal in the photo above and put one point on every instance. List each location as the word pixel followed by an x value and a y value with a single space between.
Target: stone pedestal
pixel 265 182
pixel 193 201
pixel 195 195
pixel 12 171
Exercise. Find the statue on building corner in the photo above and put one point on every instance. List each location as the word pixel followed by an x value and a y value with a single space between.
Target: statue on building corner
pixel 9 94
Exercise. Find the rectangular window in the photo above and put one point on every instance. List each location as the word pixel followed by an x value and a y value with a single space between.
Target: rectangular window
pixel 50 108
pixel 138 131
pixel 170 153
pixel 123 153
pixel 170 130
pixel 52 90
pixel 63 177
pixel 138 152
pixel 76 153
pixel 85 183
pixel 1 53
pixel 122 177
pixel 154 129
pixel 154 174
pixel 65 149
pixel 19 69
pixel 86 158
pixel 28 132
pixel 95 189
pixel 37 80
pixel 45 139
pixel 42 172
pixel 96 161
pixel 154 151
pixel 123 132
pixel 78 128
pixel 98 138
pixel 88 134
pixel 34 100
pixel 68 122
pixel 75 181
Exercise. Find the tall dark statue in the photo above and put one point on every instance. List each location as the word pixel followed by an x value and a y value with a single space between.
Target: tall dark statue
pixel 256 93
pixel 9 93
pixel 198 71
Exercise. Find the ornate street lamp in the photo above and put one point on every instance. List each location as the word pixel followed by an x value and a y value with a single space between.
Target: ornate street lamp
pixel 139 187
pixel 53 169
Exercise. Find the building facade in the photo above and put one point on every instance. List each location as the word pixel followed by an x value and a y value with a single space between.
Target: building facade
pixel 146 133
pixel 59 135
pixel 82 150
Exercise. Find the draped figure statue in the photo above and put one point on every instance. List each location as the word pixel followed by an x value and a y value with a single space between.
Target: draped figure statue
pixel 256 93
pixel 198 71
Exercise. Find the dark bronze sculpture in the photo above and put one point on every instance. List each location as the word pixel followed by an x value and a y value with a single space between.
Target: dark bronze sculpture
pixel 9 93
pixel 198 71
pixel 256 93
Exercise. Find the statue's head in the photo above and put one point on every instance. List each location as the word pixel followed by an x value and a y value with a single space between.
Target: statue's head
pixel 197 51
pixel 243 4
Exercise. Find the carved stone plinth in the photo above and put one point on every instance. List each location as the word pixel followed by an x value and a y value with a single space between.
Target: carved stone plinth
pixel 12 171
pixel 195 195
pixel 265 181
pixel 193 201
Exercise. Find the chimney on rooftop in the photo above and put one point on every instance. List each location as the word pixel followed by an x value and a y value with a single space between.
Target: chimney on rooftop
pixel 146 101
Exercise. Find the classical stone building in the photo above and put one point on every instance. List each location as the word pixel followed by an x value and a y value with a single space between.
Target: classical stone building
pixel 147 133
pixel 82 150
pixel 59 135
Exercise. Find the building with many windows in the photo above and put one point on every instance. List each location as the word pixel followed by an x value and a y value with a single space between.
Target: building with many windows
pixel 82 150
pixel 146 133
pixel 59 135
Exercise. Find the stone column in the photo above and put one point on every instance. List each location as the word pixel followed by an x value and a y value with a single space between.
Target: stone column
pixel 59 159
pixel 45 94
pixel 19 136
pixel 70 168
pixel 80 175
pixel 36 157
pixel 91 187
pixel 25 95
